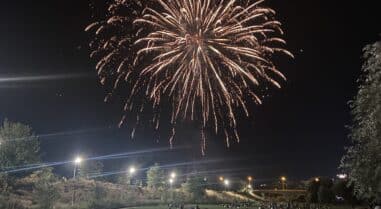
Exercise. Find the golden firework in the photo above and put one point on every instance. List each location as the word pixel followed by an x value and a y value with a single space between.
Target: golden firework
pixel 208 58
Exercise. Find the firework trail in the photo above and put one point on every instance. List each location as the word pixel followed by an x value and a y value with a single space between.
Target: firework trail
pixel 208 58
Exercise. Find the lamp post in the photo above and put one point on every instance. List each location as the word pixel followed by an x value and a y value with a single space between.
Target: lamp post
pixel 171 181
pixel 77 162
pixel 283 180
pixel 173 175
pixel 250 179
pixel 131 172
pixel 226 183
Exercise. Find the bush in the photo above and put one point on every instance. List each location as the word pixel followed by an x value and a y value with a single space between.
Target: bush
pixel 196 186
pixel 5 203
pixel 6 183
pixel 105 204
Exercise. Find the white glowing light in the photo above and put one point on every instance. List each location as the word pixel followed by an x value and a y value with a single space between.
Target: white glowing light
pixel 132 170
pixel 342 176
pixel 226 182
pixel 78 160
pixel 173 175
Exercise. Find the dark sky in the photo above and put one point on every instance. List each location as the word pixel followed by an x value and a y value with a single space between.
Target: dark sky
pixel 299 131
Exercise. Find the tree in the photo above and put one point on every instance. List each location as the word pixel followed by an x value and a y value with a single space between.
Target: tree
pixel 90 168
pixel 124 179
pixel 18 145
pixel 4 183
pixel 45 194
pixel 196 186
pixel 155 177
pixel 362 162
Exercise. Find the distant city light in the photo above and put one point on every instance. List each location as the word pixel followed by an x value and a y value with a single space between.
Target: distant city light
pixel 171 181
pixel 317 179
pixel 221 178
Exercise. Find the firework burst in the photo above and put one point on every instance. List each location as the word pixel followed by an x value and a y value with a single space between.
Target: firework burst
pixel 208 58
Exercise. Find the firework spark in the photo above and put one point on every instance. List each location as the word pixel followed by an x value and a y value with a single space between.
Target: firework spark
pixel 208 58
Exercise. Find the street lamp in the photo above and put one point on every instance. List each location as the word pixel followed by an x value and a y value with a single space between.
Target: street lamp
pixel 171 181
pixel 250 179
pixel 221 178
pixel 77 161
pixel 317 179
pixel 283 180
pixel 132 170
pixel 226 182
pixel 173 175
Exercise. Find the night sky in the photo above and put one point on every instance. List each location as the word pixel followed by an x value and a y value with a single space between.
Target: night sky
pixel 299 131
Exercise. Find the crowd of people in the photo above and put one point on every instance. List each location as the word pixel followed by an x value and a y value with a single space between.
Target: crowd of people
pixel 251 205
pixel 290 205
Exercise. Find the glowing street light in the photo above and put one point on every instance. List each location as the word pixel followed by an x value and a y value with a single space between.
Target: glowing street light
pixel 226 182
pixel 171 181
pixel 132 170
pixel 77 161
pixel 250 179
pixel 221 178
pixel 317 179
pixel 173 175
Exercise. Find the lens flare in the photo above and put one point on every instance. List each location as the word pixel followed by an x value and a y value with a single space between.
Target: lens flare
pixel 209 59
